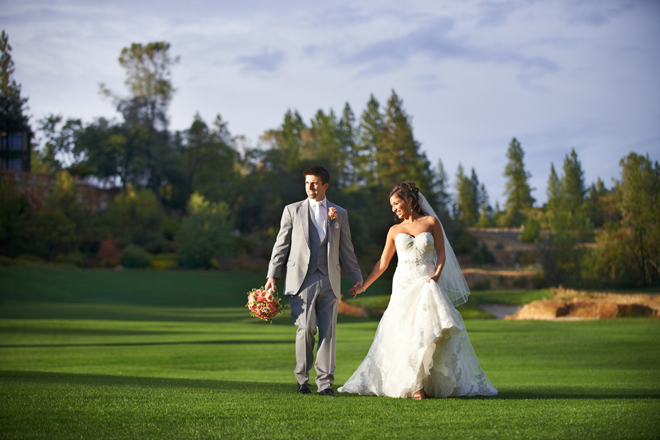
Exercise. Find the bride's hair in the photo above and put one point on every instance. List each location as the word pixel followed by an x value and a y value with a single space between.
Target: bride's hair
pixel 404 190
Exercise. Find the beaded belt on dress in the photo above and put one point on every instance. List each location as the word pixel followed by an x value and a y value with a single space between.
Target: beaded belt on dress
pixel 417 261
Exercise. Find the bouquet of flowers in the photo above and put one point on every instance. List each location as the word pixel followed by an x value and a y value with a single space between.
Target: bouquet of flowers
pixel 264 304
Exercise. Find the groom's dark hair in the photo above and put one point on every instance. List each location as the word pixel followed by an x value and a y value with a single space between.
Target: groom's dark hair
pixel 318 171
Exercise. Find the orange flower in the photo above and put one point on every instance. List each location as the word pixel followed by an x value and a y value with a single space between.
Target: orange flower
pixel 332 213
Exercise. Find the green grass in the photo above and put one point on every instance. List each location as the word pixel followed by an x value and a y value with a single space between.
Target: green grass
pixel 140 354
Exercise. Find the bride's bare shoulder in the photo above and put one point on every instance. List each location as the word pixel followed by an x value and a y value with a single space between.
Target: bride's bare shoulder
pixel 394 231
pixel 431 220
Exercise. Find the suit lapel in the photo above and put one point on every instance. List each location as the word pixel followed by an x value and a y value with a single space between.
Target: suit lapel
pixel 304 215
pixel 330 227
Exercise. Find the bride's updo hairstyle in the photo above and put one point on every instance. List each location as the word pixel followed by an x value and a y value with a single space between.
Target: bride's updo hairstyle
pixel 405 190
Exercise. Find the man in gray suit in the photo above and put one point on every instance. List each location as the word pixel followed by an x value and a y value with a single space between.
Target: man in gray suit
pixel 315 234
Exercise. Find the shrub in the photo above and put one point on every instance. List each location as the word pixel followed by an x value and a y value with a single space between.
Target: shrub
pixel 136 217
pixel 52 231
pixel 525 258
pixel 109 253
pixel 76 258
pixel 206 233
pixel 531 232
pixel 481 285
pixel 170 227
pixel 538 282
pixel 13 215
pixel 520 281
pixel 135 257
pixel 164 261
pixel 483 256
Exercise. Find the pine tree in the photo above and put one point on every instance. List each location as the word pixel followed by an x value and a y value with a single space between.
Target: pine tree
pixel 347 137
pixel 13 107
pixel 467 203
pixel 370 139
pixel 292 138
pixel 572 184
pixel 441 189
pixel 399 157
pixel 593 203
pixel 519 199
pixel 553 191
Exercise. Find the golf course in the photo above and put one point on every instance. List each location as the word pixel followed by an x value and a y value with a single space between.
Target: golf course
pixel 141 354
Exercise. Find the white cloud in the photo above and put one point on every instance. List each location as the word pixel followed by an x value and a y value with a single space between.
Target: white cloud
pixel 474 74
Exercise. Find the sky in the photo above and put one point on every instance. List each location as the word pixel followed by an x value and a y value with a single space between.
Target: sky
pixel 472 75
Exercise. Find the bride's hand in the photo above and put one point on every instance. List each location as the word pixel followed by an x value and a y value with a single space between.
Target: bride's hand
pixel 355 290
pixel 434 278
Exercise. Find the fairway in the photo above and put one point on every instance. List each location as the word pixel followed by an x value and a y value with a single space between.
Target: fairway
pixel 143 354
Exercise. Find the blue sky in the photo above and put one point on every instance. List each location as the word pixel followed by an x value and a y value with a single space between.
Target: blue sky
pixel 472 74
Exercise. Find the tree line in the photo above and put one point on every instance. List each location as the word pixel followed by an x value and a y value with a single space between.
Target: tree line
pixel 204 195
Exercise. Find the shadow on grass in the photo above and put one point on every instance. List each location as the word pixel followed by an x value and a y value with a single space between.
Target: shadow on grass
pixel 113 312
pixel 40 377
pixel 539 393
pixel 130 344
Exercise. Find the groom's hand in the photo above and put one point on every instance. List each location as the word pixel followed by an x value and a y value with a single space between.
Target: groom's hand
pixel 271 284
pixel 357 289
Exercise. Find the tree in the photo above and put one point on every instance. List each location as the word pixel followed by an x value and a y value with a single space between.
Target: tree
pixel 553 191
pixel 631 239
pixel 356 160
pixel 519 199
pixel 60 149
pixel 572 184
pixel 136 218
pixel 398 157
pixel 206 233
pixel 13 107
pixel 467 199
pixel 13 216
pixel 324 144
pixel 485 219
pixel 371 138
pixel 210 160
pixel 568 224
pixel 56 229
pixel 148 78
pixel 441 190
pixel 593 204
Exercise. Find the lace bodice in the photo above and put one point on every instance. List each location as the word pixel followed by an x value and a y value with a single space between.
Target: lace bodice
pixel 417 251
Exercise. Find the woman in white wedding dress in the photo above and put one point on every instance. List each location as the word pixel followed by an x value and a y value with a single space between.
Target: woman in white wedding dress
pixel 421 347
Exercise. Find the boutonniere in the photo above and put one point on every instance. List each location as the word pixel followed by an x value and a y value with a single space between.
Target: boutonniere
pixel 332 213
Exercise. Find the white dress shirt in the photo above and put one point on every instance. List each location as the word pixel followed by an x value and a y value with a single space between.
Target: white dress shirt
pixel 320 215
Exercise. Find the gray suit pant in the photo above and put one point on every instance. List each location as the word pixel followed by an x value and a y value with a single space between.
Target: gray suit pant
pixel 316 304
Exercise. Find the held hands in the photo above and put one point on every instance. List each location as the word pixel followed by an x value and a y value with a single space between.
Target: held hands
pixel 271 284
pixel 356 289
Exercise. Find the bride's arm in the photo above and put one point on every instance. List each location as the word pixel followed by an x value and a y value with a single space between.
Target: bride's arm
pixel 439 240
pixel 381 265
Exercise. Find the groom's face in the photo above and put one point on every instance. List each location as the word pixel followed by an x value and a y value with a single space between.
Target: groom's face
pixel 315 188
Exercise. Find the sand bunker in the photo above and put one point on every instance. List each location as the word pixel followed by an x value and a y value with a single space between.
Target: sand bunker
pixel 572 304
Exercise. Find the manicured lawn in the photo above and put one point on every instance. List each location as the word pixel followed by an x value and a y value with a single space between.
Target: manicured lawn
pixel 141 354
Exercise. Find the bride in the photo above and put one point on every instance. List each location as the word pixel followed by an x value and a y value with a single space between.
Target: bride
pixel 421 348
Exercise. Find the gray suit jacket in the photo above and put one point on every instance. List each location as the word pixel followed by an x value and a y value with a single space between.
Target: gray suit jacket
pixel 293 239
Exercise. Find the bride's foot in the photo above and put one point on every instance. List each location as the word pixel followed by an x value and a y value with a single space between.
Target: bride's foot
pixel 420 395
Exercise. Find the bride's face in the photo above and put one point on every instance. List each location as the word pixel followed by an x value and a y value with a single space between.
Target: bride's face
pixel 400 207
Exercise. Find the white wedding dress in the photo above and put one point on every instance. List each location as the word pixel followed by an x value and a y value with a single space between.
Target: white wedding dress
pixel 421 341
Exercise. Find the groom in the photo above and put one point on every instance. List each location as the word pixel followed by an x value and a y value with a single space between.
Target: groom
pixel 314 234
